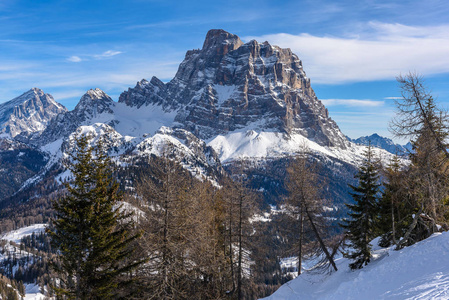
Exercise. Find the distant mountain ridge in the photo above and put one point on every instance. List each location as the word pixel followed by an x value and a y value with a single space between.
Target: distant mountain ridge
pixel 92 104
pixel 383 143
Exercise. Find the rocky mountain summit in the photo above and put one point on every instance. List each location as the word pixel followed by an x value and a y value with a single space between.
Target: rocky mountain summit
pixel 29 113
pixel 229 85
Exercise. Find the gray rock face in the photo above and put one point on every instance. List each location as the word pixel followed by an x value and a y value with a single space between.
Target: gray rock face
pixel 29 113
pixel 144 93
pixel 93 103
pixel 229 85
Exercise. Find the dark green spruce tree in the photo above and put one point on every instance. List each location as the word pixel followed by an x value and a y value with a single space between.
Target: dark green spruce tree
pixel 360 227
pixel 91 231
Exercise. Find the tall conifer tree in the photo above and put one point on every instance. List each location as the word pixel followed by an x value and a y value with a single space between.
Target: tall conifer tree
pixel 360 227
pixel 91 231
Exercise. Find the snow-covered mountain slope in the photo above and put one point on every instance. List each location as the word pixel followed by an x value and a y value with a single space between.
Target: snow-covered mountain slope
pixel 420 271
pixel 22 258
pixel 192 152
pixel 97 107
pixel 267 155
pixel 29 113
pixel 265 144
pixel 93 107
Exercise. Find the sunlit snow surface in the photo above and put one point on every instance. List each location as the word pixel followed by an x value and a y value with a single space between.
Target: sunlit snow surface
pixel 148 119
pixel 33 292
pixel 420 271
pixel 264 144
pixel 16 235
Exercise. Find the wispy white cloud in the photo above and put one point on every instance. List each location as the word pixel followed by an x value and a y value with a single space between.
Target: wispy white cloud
pixel 68 94
pixel 159 24
pixel 104 55
pixel 379 51
pixel 352 102
pixel 107 54
pixel 74 59
pixel 15 66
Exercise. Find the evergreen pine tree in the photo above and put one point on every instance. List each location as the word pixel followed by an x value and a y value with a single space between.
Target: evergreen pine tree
pixel 91 231
pixel 360 228
pixel 397 204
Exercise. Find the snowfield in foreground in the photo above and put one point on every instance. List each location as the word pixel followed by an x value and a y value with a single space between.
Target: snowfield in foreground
pixel 420 271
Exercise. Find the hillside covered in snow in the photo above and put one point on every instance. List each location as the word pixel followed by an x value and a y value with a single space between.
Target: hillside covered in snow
pixel 420 271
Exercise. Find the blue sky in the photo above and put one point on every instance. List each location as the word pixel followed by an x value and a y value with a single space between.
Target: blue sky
pixel 351 50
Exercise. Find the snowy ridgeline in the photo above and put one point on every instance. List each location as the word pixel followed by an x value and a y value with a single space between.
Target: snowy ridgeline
pixel 420 271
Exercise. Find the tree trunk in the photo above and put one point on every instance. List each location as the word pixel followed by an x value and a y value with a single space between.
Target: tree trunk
pixel 393 229
pixel 239 279
pixel 409 231
pixel 323 247
pixel 301 233
pixel 231 252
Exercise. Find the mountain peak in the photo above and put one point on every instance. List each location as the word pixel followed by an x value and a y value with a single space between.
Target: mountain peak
pixel 93 104
pixel 28 113
pixel 36 91
pixel 96 93
pixel 30 94
pixel 221 40
pixel 94 101
pixel 228 86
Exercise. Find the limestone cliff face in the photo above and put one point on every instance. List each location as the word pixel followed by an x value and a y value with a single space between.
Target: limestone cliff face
pixel 229 85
